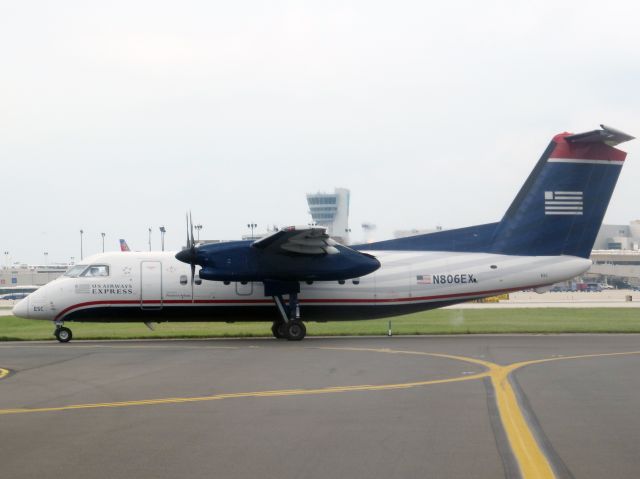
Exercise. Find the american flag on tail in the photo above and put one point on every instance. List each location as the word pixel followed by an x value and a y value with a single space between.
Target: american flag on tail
pixel 563 202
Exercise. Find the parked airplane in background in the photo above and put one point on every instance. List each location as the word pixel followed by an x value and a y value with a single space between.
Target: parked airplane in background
pixel 124 246
pixel 545 237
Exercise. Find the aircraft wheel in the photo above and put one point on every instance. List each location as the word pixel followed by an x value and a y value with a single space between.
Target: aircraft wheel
pixel 278 330
pixel 63 334
pixel 296 330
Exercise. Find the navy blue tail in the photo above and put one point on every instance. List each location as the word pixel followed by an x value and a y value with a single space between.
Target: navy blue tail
pixel 558 211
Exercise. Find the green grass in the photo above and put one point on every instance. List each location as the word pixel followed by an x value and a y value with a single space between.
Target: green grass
pixel 452 321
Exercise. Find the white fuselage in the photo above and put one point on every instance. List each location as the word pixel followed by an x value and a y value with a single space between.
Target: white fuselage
pixel 154 286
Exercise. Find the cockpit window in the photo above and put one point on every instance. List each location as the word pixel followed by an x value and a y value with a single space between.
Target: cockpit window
pixel 96 271
pixel 76 270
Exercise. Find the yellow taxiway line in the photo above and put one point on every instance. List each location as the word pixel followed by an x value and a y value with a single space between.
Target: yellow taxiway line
pixel 256 394
pixel 531 459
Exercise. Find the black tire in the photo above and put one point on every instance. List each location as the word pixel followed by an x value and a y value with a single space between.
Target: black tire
pixel 63 334
pixel 296 330
pixel 282 330
pixel 277 330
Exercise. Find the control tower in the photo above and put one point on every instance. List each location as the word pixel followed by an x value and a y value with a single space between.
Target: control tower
pixel 331 210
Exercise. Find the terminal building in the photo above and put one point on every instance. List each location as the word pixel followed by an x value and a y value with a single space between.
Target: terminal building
pixel 616 254
pixel 17 275
pixel 619 237
pixel 331 210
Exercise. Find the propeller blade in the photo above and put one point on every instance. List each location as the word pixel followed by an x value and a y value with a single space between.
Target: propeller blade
pixel 188 245
pixel 193 275
pixel 188 255
pixel 193 242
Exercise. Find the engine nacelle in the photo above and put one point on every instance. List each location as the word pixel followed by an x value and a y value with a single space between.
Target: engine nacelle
pixel 239 261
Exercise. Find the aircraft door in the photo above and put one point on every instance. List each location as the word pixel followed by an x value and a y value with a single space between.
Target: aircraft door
pixel 151 285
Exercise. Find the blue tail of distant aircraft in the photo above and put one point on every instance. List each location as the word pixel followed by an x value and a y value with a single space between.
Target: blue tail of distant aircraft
pixel 558 211
pixel 124 246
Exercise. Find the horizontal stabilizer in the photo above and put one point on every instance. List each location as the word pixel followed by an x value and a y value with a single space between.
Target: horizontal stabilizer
pixel 608 136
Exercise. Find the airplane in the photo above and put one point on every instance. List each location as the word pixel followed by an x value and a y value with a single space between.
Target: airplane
pixel 124 246
pixel 545 236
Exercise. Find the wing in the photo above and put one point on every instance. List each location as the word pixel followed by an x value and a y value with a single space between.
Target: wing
pixel 298 239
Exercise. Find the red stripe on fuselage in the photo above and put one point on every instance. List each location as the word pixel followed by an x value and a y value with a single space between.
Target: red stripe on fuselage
pixel 163 302
pixel 471 295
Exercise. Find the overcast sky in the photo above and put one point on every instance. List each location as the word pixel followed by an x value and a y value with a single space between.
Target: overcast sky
pixel 118 116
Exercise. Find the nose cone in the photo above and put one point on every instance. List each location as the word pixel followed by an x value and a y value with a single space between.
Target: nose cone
pixel 186 256
pixel 21 309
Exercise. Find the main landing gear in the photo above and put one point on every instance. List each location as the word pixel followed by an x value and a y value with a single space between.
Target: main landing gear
pixel 61 333
pixel 289 326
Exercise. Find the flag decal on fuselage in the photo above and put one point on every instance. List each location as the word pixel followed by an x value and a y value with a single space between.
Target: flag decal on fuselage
pixel 563 202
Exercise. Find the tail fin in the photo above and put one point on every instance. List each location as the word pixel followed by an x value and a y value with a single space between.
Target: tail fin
pixel 560 208
pixel 124 246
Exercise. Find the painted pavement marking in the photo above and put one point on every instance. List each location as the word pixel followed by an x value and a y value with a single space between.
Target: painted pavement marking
pixel 530 457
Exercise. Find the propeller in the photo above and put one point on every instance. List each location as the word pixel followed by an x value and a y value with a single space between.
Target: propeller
pixel 188 255
pixel 191 244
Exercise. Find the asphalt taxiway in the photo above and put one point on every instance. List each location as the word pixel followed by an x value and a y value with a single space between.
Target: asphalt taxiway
pixel 458 406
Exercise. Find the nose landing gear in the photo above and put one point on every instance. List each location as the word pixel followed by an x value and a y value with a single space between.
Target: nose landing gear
pixel 61 333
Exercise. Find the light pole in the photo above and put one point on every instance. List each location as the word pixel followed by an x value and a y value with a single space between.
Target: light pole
pixel 6 259
pixel 81 253
pixel 149 238
pixel 252 226
pixel 198 228
pixel 102 242
pixel 163 230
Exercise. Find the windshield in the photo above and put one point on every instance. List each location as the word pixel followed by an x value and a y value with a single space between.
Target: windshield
pixel 96 270
pixel 75 271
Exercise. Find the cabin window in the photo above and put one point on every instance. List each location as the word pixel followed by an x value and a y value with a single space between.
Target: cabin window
pixel 494 266
pixel 342 281
pixel 356 281
pixel 183 279
pixel 96 271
